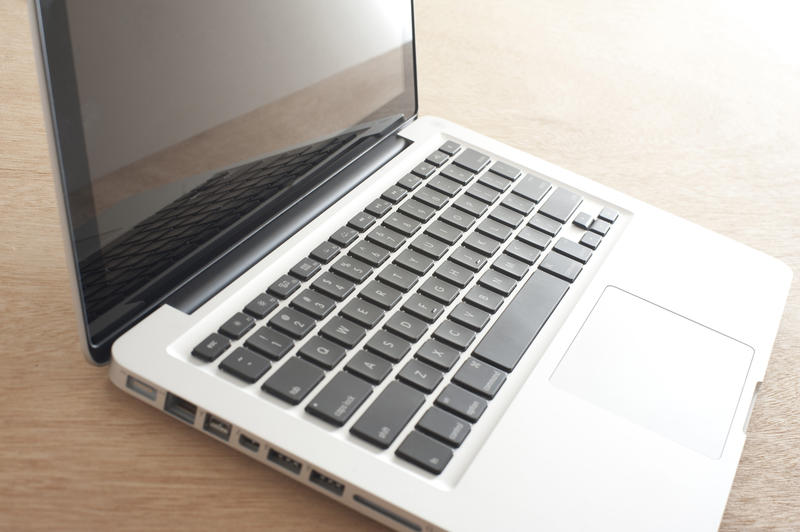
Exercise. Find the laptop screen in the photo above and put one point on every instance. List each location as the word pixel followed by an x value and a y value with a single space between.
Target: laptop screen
pixel 181 124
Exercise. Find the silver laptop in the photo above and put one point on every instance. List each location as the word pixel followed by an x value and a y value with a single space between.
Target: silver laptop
pixel 431 327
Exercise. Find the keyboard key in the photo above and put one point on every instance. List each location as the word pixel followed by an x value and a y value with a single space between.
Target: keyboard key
pixel 386 417
pixel 484 299
pixel 454 334
pixel 398 277
pixel 293 381
pixel 505 170
pixel 560 266
pixel 420 375
pixel 561 204
pixel 471 260
pixel 457 174
pixel 506 216
pixel 269 342
pixel 406 326
pixel 339 399
pixel 483 193
pixel 378 208
pixel 521 251
pixel 284 287
pixel 322 352
pixel 518 204
pixel 413 261
pixel 590 240
pixel 518 325
pixel 362 312
pixel 261 306
pixel 424 169
pixel 382 295
pixel 334 286
pixel 402 224
pixel 532 188
pixel 428 196
pixel 369 367
pixel 423 307
pixel 469 316
pixel 425 452
pixel 444 185
pixel 437 158
pixel 245 364
pixel 417 210
pixel 325 252
pixel 388 345
pixel 212 347
pixel 453 273
pixel 361 221
pixel 483 244
pixel 394 194
pixel 305 269
pixel 545 225
pixel 461 402
pixel 471 205
pixel 369 253
pixel 510 266
pixel 572 250
pixel 237 325
pixel 439 290
pixel 343 331
pixel 457 218
pixel 444 427
pixel 409 181
pixel 600 227
pixel 479 377
pixel 583 220
pixel 313 303
pixel 500 283
pixel 608 214
pixel 383 236
pixel 450 147
pixel 344 236
pixel 429 246
pixel 535 238
pixel 495 230
pixel 292 322
pixel 444 232
pixel 472 160
pixel 495 181
pixel 438 355
pixel 352 269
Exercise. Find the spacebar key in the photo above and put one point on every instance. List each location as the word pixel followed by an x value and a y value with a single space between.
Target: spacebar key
pixel 521 321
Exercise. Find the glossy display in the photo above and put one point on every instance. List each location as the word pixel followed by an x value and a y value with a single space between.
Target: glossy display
pixel 182 126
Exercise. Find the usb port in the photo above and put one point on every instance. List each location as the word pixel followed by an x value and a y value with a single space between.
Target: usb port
pixel 249 443
pixel 284 461
pixel 218 427
pixel 180 408
pixel 326 482
pixel 140 387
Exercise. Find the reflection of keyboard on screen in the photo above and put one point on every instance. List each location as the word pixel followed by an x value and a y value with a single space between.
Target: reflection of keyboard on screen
pixel 425 269
pixel 192 220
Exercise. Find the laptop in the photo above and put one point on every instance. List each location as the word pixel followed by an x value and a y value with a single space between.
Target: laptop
pixel 438 330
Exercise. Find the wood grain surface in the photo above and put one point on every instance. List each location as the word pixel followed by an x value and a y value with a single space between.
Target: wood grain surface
pixel 690 105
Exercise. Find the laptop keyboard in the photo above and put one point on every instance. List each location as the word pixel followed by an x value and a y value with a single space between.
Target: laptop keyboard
pixel 474 252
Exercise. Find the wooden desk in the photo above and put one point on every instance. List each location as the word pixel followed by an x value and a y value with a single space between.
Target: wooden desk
pixel 691 106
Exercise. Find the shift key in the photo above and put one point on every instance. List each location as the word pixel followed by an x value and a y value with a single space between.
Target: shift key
pixel 388 414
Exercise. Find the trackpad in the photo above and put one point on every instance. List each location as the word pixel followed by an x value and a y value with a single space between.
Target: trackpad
pixel 658 369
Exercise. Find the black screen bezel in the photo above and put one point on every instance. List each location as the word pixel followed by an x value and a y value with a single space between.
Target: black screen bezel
pixel 68 139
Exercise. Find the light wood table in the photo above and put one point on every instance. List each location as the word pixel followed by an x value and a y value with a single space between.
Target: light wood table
pixel 691 105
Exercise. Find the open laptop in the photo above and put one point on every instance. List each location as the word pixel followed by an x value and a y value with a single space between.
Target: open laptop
pixel 424 324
